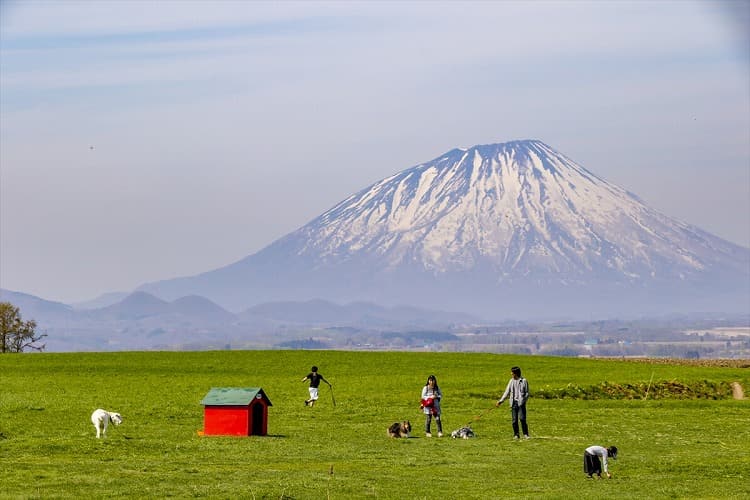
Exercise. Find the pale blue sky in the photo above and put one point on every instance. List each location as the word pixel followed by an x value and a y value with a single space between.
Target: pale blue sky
pixel 218 127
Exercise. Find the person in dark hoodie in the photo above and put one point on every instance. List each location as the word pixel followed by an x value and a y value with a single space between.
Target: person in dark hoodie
pixel 315 378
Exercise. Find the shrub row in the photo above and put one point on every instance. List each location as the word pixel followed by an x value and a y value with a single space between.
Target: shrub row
pixel 665 389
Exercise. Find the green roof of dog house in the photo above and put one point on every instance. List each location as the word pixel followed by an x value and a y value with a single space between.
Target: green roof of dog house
pixel 234 396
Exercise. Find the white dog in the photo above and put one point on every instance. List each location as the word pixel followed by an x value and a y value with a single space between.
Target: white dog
pixel 101 419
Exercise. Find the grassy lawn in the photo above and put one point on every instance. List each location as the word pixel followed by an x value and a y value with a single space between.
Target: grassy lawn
pixel 675 448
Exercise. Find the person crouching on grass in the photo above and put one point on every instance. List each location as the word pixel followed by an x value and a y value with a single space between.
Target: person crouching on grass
pixel 591 463
pixel 430 405
pixel 314 377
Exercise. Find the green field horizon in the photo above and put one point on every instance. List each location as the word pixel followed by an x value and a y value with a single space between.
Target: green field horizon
pixel 688 439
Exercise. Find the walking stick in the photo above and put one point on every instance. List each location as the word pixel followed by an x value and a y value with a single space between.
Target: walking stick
pixel 649 384
pixel 333 400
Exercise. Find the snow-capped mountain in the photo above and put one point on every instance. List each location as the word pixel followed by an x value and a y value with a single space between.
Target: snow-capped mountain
pixel 503 230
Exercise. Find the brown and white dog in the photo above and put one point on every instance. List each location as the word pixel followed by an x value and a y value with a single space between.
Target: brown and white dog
pixel 101 419
pixel 400 429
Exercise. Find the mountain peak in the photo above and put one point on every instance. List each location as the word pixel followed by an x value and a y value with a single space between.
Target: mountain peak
pixel 499 223
pixel 488 202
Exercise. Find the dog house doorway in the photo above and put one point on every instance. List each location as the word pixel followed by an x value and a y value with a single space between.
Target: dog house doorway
pixel 256 420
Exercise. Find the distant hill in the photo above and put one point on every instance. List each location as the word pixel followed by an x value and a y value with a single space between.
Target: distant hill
pixel 134 306
pixel 141 305
pixel 194 306
pixel 104 300
pixel 33 307
pixel 142 321
pixel 357 313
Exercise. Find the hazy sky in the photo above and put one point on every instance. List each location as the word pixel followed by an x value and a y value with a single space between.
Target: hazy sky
pixel 218 127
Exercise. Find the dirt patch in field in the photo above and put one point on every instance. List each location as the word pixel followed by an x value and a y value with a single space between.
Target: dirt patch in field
pixel 737 391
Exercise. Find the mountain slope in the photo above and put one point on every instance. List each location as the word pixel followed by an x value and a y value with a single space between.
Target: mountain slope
pixel 358 313
pixel 103 300
pixel 499 230
pixel 141 305
pixel 31 306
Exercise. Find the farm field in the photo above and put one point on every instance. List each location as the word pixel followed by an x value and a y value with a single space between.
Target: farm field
pixel 681 445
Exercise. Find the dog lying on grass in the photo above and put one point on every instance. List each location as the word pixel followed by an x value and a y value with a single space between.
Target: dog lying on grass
pixel 101 419
pixel 400 429
pixel 463 433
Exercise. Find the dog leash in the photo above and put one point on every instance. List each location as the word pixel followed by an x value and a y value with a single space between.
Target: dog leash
pixel 478 417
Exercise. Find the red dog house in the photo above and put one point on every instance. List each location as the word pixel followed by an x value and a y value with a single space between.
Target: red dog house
pixel 230 411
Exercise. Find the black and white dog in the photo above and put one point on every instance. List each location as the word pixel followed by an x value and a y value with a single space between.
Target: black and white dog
pixel 463 433
pixel 101 419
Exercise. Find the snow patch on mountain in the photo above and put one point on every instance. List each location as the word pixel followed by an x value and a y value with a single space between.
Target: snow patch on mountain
pixel 521 206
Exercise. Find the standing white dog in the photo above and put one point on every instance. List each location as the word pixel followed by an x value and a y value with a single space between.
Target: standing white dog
pixel 101 419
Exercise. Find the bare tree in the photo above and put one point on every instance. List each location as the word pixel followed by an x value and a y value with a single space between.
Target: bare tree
pixel 16 334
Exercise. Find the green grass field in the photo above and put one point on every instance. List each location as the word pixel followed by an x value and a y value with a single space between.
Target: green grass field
pixel 669 448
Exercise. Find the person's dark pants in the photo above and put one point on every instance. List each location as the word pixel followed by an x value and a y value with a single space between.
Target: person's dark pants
pixel 428 421
pixel 518 412
pixel 591 464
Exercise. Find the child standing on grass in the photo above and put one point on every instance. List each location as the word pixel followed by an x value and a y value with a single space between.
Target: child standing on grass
pixel 591 463
pixel 430 405
pixel 314 377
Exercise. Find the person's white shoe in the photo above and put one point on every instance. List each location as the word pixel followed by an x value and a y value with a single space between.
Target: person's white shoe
pixel 427 434
pixel 440 434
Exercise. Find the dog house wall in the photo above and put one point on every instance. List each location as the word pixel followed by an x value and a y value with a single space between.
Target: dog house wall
pixel 230 411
